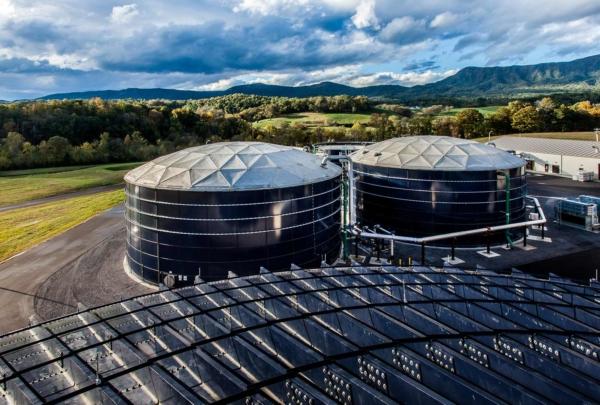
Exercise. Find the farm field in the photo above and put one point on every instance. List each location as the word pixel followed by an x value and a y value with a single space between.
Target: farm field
pixel 25 185
pixel 315 119
pixel 23 228
pixel 485 111
pixel 578 136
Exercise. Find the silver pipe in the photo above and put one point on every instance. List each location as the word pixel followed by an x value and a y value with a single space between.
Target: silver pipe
pixel 357 231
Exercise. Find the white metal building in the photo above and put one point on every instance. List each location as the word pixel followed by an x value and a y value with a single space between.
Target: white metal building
pixel 554 156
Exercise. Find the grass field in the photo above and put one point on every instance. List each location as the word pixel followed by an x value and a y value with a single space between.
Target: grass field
pixel 315 119
pixel 25 185
pixel 23 228
pixel 485 111
pixel 579 136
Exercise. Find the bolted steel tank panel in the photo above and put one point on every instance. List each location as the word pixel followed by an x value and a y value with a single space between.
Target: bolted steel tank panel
pixel 279 207
pixel 428 185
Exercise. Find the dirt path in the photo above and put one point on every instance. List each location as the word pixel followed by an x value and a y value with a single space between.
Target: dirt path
pixel 86 191
pixel 64 270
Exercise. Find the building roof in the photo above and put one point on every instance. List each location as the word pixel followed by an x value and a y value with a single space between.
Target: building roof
pixel 566 147
pixel 341 147
pixel 431 152
pixel 227 166
pixel 357 335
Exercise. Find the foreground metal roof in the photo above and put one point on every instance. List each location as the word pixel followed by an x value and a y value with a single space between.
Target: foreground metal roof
pixel 429 152
pixel 226 166
pixel 351 335
pixel 566 147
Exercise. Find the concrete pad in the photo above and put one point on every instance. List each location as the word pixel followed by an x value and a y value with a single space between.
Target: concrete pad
pixel 490 255
pixel 539 238
pixel 454 261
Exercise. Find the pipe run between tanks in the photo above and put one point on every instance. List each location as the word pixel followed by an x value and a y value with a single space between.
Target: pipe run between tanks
pixel 360 233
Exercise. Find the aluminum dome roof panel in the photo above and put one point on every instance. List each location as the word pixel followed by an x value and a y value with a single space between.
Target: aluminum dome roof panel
pixel 375 335
pixel 431 152
pixel 227 166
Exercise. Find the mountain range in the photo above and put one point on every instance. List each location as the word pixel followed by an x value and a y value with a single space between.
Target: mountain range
pixel 580 75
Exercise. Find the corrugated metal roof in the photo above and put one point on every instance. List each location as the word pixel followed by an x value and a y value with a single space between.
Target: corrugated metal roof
pixel 431 152
pixel 566 147
pixel 227 166
pixel 351 335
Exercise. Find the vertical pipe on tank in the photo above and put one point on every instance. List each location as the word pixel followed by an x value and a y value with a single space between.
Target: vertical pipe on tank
pixel 507 203
pixel 351 194
pixel 344 185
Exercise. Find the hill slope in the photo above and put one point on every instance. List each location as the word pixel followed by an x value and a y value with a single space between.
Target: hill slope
pixel 574 76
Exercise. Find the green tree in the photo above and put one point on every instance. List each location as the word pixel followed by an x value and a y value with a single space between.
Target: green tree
pixel 469 122
pixel 527 119
pixel 445 126
pixel 500 122
pixel 58 149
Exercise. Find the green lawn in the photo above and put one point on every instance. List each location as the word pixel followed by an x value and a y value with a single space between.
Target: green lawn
pixel 23 228
pixel 580 136
pixel 485 111
pixel 25 185
pixel 315 119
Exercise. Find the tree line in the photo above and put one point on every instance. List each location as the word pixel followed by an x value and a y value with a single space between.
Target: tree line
pixel 53 133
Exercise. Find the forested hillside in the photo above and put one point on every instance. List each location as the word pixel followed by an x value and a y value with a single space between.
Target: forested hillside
pixel 75 132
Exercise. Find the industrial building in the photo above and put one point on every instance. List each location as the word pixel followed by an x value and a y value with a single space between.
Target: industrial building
pixel 349 335
pixel 338 152
pixel 430 185
pixel 555 156
pixel 230 207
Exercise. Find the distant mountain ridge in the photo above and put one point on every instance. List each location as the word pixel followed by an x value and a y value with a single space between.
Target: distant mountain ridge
pixel 519 80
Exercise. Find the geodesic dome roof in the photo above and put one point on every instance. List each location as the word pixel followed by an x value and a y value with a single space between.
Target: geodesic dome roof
pixel 226 166
pixel 355 335
pixel 431 152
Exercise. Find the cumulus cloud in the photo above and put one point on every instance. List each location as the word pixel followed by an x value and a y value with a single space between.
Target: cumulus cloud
pixel 215 44
pixel 365 17
pixel 124 13
pixel 404 30
pixel 403 79
pixel 348 74
pixel 444 20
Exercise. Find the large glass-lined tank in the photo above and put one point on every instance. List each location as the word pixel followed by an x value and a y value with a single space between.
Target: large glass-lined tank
pixel 231 206
pixel 428 185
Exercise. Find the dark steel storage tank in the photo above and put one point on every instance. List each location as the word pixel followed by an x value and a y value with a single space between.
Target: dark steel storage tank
pixel 428 185
pixel 231 206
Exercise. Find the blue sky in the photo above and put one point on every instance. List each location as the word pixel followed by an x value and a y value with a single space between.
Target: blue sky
pixel 74 45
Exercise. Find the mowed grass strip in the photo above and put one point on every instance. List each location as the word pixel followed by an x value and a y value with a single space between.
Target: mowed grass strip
pixel 33 184
pixel 23 228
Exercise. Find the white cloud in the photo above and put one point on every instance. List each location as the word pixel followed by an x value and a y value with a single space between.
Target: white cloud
pixel 444 20
pixel 365 16
pixel 269 7
pixel 124 13
pixel 403 79
pixel 348 74
pixel 403 29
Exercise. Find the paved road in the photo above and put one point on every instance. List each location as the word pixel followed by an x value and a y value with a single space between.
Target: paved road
pixel 21 276
pixel 86 191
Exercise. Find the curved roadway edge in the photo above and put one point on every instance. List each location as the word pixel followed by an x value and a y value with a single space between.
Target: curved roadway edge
pixel 22 276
